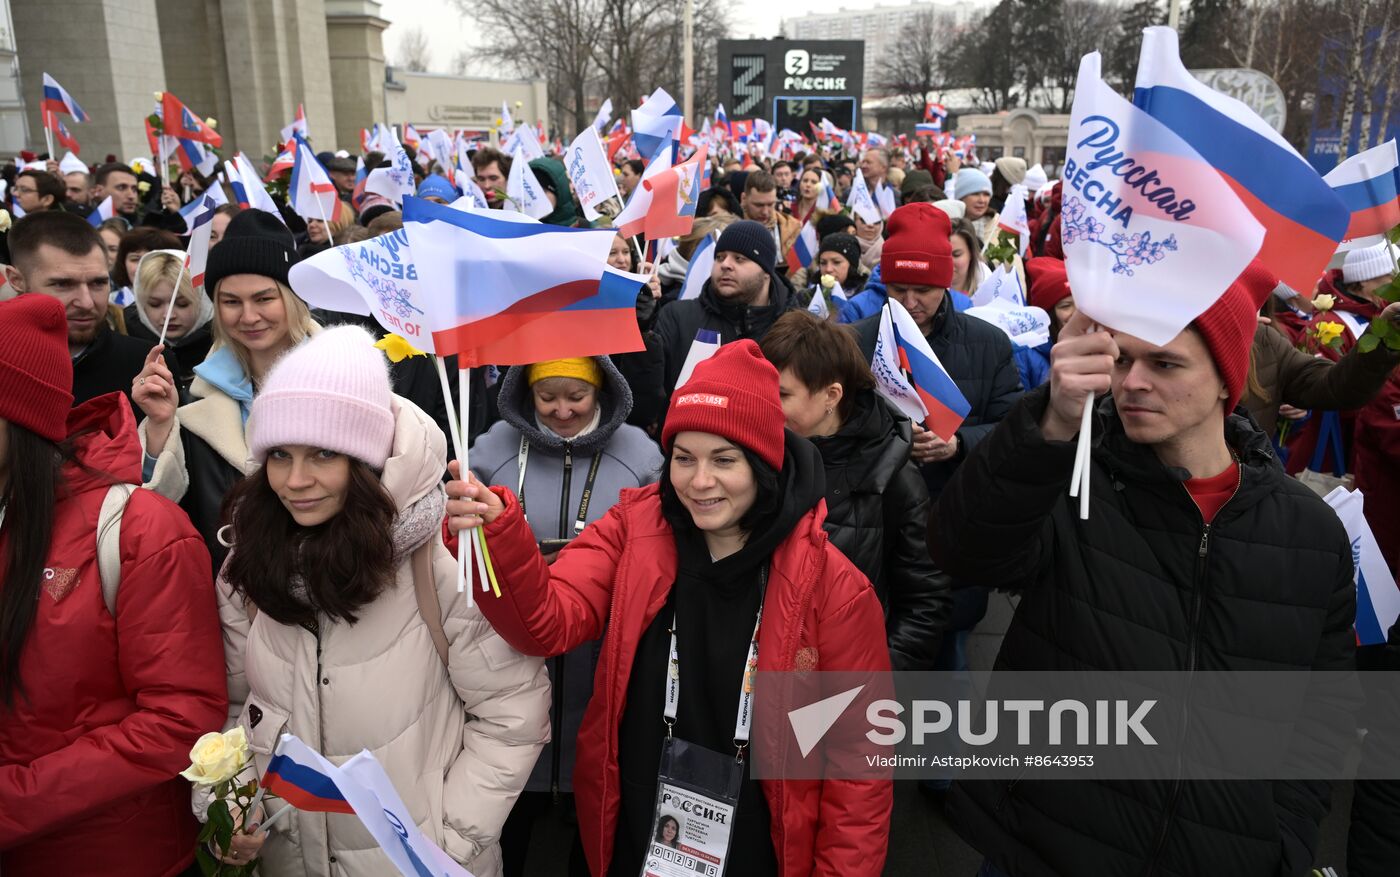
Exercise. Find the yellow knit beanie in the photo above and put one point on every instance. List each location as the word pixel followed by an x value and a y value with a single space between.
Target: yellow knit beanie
pixel 583 368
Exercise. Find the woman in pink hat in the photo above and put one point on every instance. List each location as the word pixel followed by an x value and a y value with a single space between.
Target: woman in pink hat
pixel 343 624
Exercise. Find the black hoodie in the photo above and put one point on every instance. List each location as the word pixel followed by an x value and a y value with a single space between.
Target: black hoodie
pixel 714 604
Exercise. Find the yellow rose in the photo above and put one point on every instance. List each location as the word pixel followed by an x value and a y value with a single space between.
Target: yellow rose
pixel 4 220
pixel 397 348
pixel 1328 333
pixel 1324 302
pixel 143 187
pixel 159 96
pixel 519 104
pixel 828 281
pixel 217 757
pixel 212 122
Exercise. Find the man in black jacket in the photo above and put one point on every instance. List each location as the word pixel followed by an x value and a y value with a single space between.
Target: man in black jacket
pixel 742 298
pixel 1199 555
pixel 59 254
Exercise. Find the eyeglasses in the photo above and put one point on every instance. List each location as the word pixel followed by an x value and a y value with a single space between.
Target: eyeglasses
pixel 26 191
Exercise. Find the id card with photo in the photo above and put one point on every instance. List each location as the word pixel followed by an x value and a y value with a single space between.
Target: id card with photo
pixel 697 795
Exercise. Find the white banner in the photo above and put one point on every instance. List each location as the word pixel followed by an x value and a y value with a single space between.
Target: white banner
pixel 1152 234
pixel 589 172
pixel 375 277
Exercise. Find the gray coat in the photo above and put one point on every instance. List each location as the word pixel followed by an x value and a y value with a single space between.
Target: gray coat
pixel 627 458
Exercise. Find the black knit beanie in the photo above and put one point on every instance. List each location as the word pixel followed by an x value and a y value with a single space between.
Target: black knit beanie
pixel 751 240
pixel 844 244
pixel 255 242
pixel 833 224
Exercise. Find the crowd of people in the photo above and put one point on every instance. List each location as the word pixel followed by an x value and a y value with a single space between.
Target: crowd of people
pixel 286 565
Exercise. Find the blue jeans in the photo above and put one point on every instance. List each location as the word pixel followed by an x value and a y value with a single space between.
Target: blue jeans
pixel 990 870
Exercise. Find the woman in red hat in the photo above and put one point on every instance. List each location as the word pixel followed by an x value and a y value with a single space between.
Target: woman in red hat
pixel 669 580
pixel 111 662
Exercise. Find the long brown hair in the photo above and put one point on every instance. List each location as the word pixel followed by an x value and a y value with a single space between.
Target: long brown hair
pixel 344 563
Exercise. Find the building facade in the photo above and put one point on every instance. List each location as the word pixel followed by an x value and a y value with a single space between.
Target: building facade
pixel 246 63
pixel 434 100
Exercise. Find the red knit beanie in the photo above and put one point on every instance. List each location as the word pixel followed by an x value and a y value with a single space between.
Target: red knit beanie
pixel 732 394
pixel 1228 326
pixel 36 374
pixel 917 251
pixel 1049 282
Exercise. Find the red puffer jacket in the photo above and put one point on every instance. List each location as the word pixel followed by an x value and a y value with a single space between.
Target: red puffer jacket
pixel 614 579
pixel 89 758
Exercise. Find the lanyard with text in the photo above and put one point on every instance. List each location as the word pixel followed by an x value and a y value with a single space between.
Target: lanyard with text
pixel 744 719
pixel 523 460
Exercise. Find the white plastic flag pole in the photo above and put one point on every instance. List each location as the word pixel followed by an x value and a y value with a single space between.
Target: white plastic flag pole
pixel 478 552
pixel 1080 479
pixel 174 294
pixel 464 541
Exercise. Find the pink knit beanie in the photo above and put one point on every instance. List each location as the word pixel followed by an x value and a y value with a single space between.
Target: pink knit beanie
pixel 332 392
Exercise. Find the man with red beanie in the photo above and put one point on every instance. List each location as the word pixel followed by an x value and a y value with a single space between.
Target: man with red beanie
pixel 1199 555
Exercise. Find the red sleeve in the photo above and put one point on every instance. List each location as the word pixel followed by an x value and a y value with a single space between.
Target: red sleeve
pixel 547 610
pixel 171 658
pixel 940 176
pixel 854 819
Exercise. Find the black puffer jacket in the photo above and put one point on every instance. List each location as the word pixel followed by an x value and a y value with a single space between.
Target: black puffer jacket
pixel 977 356
pixel 1143 585
pixel 876 513
pixel 679 321
pixel 1373 843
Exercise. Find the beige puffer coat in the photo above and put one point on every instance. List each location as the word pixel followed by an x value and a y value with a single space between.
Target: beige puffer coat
pixel 458 742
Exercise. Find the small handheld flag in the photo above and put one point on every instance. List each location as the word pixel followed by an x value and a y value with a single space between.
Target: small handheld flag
pixel 311 191
pixel 58 100
pixel 1368 184
pixel 102 212
pixel 297 129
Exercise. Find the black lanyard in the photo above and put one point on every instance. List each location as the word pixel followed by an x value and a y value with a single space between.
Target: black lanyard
pixel 523 460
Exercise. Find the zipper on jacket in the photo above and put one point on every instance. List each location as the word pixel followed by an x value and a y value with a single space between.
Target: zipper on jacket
pixel 1192 645
pixel 557 708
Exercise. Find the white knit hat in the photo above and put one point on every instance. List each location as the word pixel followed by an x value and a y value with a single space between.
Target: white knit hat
pixel 332 392
pixel 1367 264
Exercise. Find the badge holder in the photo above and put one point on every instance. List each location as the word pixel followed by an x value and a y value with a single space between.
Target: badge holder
pixel 697 796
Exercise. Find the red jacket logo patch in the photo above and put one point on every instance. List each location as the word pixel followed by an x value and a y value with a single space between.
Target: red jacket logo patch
pixel 58 582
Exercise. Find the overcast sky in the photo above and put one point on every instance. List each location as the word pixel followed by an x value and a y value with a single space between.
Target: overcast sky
pixel 448 32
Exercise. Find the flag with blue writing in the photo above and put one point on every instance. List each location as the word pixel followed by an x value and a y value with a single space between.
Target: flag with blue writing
pixel 1153 235
pixel 307 780
pixel 1377 597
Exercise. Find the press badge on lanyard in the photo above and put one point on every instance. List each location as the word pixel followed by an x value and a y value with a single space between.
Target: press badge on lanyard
pixel 697 789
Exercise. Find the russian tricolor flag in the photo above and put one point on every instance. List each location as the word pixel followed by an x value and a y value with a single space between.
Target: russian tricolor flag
pixel 102 212
pixel 299 781
pixel 830 202
pixel 804 248
pixel 1303 218
pixel 487 278
pixel 1369 185
pixel 702 263
pixel 929 127
pixel 58 100
pixel 656 123
pixel 908 373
